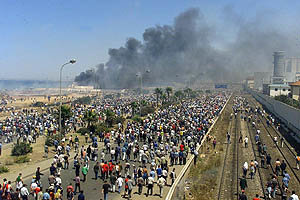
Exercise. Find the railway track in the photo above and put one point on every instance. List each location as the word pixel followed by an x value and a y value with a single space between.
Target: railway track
pixel 252 144
pixel 228 187
pixel 285 152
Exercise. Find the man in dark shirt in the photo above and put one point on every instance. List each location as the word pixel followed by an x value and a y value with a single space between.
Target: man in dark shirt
pixel 105 189
pixel 243 196
pixel 81 196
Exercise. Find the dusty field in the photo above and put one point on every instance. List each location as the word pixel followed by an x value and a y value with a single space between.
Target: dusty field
pixel 202 180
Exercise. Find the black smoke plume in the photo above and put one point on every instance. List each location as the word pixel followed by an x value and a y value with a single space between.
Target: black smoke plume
pixel 185 51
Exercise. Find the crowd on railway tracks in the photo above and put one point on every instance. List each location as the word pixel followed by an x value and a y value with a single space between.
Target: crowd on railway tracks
pixel 139 155
pixel 279 167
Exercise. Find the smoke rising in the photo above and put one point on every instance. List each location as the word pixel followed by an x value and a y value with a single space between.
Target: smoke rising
pixel 186 50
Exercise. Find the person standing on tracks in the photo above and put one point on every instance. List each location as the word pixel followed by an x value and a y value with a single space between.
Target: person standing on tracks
pixel 228 137
pixel 241 137
pixel 264 148
pixel 297 161
pixel 268 158
pixel 277 167
pixel 243 183
pixel 245 168
pixel 274 186
pixel 243 196
pixel 275 141
pixel 256 197
pixel 282 167
pixel 294 196
pixel 281 141
pixel 214 143
pixel 246 141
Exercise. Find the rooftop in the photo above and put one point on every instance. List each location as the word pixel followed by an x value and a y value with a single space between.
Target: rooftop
pixel 295 83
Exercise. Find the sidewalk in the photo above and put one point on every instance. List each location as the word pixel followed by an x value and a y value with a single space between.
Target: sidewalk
pixel 29 168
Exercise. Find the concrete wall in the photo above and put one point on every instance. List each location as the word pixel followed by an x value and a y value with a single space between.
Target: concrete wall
pixel 289 115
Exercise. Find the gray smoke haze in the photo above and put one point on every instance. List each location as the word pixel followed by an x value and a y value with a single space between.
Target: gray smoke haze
pixel 185 50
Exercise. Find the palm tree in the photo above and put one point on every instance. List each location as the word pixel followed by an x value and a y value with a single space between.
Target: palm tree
pixel 169 91
pixel 188 91
pixel 90 117
pixel 66 113
pixel 158 92
pixel 178 94
pixel 133 107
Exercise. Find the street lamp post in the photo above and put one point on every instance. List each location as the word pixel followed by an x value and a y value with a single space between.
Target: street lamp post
pixel 60 96
pixel 141 87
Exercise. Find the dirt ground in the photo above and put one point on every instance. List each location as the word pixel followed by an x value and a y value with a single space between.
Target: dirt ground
pixel 202 181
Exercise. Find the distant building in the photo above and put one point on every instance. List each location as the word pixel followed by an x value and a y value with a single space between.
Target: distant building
pixel 279 89
pixel 295 90
pixel 292 64
pixel 279 68
pixel 250 82
pixel 266 89
pixel 261 78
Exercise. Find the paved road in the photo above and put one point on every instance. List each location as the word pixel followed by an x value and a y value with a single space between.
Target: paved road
pixel 92 188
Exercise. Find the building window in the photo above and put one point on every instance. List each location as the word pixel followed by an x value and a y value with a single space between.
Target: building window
pixel 276 89
pixel 283 90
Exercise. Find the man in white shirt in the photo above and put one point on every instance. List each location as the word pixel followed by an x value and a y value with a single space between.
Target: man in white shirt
pixel 120 183
pixel 150 185
pixel 58 180
pixel 161 182
pixel 294 196
pixel 24 192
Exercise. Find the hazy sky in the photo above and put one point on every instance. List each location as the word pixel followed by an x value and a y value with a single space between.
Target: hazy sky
pixel 37 36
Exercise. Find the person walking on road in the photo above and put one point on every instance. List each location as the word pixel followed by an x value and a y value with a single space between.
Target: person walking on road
pixel 150 186
pixel 84 171
pixel 140 183
pixel 81 196
pixel 161 183
pixel 96 170
pixel 120 183
pixel 105 189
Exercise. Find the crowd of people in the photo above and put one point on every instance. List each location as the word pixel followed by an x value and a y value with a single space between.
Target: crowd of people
pixel 278 168
pixel 139 155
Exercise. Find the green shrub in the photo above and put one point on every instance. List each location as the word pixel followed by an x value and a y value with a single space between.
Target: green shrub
pixel 21 149
pixel 3 169
pixel 50 139
pixel 83 131
pixel 83 100
pixel 22 159
pixel 137 118
pixel 119 119
pixel 147 110
pixel 38 104
pixel 101 127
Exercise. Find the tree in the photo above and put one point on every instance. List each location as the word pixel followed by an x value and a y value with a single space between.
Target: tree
pixel 133 107
pixel 90 117
pixel 66 113
pixel 188 91
pixel 178 94
pixel 158 92
pixel 169 91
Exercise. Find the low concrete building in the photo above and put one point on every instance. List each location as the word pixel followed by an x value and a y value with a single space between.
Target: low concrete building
pixel 250 82
pixel 279 89
pixel 295 90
